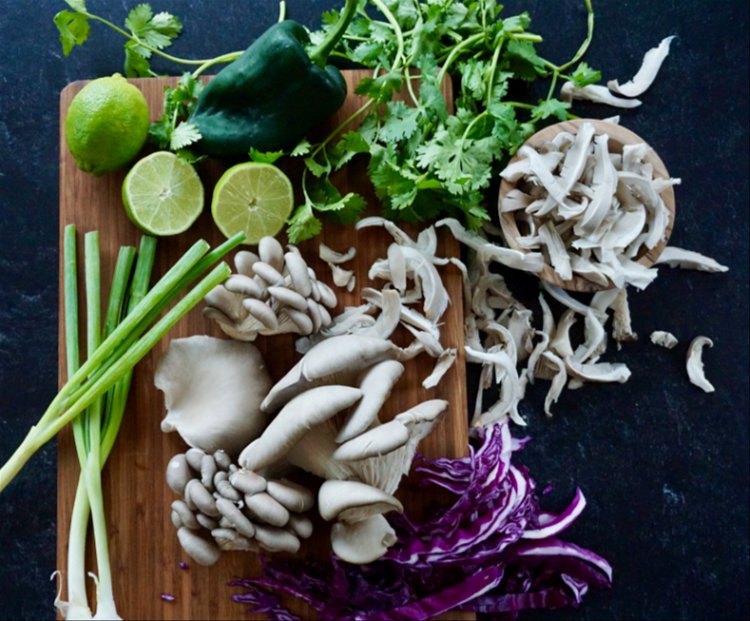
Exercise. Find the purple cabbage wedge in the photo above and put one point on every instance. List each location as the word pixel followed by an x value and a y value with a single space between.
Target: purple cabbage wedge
pixel 493 551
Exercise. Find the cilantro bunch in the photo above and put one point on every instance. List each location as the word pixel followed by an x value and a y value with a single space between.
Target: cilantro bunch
pixel 426 161
pixel 425 158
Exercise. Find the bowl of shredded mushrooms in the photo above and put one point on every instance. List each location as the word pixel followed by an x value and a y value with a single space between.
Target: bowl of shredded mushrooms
pixel 594 199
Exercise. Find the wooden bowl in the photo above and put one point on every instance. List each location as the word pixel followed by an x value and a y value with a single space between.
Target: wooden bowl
pixel 618 137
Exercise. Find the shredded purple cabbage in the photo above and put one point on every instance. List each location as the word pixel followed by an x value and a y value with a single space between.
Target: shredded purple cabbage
pixel 493 551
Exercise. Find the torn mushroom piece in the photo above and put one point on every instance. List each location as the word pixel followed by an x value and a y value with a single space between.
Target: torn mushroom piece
pixel 695 369
pixel 341 277
pixel 212 391
pixel 664 339
pixel 272 293
pixel 224 507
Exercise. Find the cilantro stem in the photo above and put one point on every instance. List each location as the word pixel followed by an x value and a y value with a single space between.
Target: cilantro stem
pixel 455 52
pixel 584 46
pixel 319 54
pixel 343 125
pixel 493 70
pixel 397 32
pixel 224 58
pixel 145 46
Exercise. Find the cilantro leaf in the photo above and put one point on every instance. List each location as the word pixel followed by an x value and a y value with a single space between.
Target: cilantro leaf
pixel 474 77
pixel 516 23
pixel 179 101
pixel 462 163
pixel 74 29
pixel 551 108
pixel 156 31
pixel 77 5
pixel 585 75
pixel 264 157
pixel 381 88
pixel 136 60
pixel 400 121
pixel 523 60
pixel 150 32
pixel 184 135
pixel 302 224
pixel 317 169
pixel 325 197
pixel 303 148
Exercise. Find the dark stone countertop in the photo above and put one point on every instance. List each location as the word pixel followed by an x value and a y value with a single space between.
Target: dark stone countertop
pixel 663 465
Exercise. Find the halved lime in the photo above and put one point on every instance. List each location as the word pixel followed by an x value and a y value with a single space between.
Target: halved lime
pixel 253 198
pixel 163 194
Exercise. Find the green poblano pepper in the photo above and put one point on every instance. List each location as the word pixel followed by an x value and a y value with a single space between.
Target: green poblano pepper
pixel 273 94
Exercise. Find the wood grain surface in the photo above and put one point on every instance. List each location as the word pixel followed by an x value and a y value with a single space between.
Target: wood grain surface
pixel 143 544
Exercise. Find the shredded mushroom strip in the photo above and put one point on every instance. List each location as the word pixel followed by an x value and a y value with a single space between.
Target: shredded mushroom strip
pixel 694 365
pixel 593 211
pixel 646 75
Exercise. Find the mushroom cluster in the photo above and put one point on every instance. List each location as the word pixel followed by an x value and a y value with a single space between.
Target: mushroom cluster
pixel 273 292
pixel 328 424
pixel 225 507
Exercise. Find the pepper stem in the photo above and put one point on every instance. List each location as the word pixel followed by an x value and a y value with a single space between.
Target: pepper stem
pixel 319 54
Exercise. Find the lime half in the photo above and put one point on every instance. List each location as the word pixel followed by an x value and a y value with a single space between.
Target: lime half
pixel 163 195
pixel 253 198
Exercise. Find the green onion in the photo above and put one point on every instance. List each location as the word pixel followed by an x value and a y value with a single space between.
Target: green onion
pixel 128 343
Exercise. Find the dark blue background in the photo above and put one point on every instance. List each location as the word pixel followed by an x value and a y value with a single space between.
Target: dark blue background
pixel 663 465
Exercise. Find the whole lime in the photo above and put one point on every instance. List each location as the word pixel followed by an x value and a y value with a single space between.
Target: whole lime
pixel 106 124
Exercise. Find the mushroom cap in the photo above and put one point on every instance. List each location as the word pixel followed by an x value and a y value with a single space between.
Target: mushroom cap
pixel 353 501
pixel 377 441
pixel 292 423
pixel 201 550
pixel 338 357
pixel 212 391
pixel 376 384
pixel 362 542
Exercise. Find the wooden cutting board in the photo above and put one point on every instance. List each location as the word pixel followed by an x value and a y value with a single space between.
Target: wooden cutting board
pixel 143 545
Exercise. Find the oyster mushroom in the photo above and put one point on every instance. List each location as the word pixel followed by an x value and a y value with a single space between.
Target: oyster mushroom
pixel 296 418
pixel 239 509
pixel 212 391
pixel 271 294
pixel 334 360
pixel 201 550
pixel 364 541
pixel 354 501
pixel 376 384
